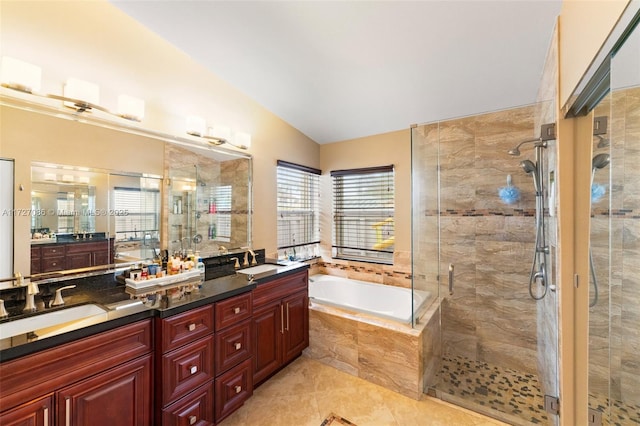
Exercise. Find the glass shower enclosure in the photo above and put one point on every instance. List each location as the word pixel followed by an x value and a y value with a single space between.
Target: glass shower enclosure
pixel 476 213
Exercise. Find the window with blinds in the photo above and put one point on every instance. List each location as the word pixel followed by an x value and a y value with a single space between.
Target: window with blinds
pixel 298 210
pixel 222 197
pixel 363 202
pixel 140 218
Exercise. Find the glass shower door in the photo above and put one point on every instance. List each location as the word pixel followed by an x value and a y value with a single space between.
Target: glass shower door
pixel 614 313
pixel 497 345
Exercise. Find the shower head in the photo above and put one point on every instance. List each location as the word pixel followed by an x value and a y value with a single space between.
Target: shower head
pixel 516 151
pixel 532 169
pixel 600 161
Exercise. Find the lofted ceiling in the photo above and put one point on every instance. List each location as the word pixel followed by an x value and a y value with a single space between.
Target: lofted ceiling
pixel 339 70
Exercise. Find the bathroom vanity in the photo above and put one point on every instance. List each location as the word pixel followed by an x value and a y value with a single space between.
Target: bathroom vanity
pixel 194 362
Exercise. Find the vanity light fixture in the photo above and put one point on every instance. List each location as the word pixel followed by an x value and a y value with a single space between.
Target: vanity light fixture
pixel 80 95
pixel 216 135
pixel 130 108
pixel 243 140
pixel 19 75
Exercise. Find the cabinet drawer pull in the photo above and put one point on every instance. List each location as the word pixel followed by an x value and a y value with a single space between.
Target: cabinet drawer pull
pixel 287 317
pixel 238 389
pixel 54 264
pixel 238 346
pixel 194 369
pixel 193 420
pixel 67 414
pixel 281 319
pixel 192 327
pixel 45 413
pixel 236 310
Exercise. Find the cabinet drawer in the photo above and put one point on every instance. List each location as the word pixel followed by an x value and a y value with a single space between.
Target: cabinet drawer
pixel 280 287
pixel 233 310
pixel 53 251
pixel 186 368
pixel 185 328
pixel 233 345
pixel 51 264
pixel 87 247
pixel 233 388
pixel 194 409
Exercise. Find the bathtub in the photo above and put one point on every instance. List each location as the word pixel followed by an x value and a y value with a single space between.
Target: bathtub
pixel 365 329
pixel 384 301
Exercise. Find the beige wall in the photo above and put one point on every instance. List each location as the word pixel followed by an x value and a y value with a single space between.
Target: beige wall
pixel 584 27
pixel 78 39
pixel 379 150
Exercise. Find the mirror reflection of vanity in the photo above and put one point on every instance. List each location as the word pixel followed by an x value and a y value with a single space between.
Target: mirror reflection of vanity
pixel 104 194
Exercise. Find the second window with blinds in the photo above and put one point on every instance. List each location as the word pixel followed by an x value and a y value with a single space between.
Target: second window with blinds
pixel 363 214
pixel 298 211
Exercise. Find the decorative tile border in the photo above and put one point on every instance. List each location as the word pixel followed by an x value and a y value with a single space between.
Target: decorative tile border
pixel 617 213
pixel 484 212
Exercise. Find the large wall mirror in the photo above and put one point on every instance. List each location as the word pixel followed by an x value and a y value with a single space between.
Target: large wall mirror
pixel 104 194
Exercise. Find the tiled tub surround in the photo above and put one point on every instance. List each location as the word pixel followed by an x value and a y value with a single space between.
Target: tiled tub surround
pixel 384 352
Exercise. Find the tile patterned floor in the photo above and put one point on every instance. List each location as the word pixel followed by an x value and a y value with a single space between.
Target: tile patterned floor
pixel 307 392
pixel 614 412
pixel 504 393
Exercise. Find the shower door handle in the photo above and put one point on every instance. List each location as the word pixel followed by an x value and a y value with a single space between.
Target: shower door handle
pixel 451 279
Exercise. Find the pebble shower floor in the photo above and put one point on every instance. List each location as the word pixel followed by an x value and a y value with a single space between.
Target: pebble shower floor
pixel 511 395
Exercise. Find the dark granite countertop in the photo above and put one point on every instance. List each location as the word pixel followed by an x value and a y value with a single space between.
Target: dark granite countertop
pixel 107 292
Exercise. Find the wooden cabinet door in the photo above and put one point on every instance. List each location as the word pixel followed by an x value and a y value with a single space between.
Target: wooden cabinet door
pixel 34 413
pixel 100 257
pixel 267 334
pixel 296 325
pixel 120 396
pixel 79 260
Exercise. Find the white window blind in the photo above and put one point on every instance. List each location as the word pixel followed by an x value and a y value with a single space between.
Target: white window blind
pixel 298 209
pixel 139 213
pixel 364 214
pixel 222 195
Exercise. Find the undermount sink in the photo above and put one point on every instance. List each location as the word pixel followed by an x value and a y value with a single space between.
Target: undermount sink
pixel 54 322
pixel 258 269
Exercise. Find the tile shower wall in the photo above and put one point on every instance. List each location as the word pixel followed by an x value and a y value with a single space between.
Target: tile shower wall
pixel 490 316
pixel 233 173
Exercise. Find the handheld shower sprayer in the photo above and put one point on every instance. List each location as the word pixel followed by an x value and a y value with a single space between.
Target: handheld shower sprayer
pixel 600 161
pixel 531 169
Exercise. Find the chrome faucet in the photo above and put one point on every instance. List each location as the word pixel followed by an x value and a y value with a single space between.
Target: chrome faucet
pixel 58 301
